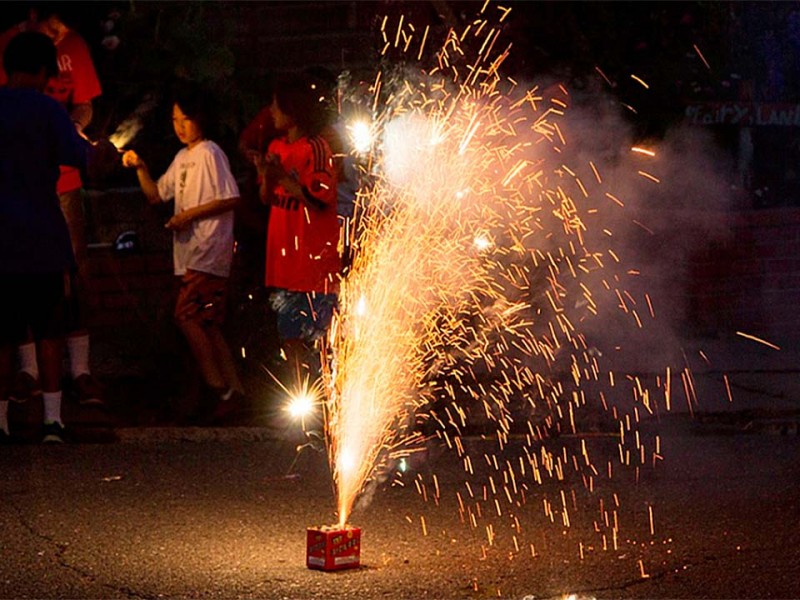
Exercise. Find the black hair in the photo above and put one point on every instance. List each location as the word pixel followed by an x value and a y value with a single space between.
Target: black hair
pixel 30 52
pixel 299 98
pixel 197 104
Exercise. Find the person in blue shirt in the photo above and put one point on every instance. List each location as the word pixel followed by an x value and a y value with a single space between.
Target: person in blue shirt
pixel 37 263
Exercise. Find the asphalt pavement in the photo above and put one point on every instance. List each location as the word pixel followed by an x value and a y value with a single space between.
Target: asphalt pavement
pixel 719 517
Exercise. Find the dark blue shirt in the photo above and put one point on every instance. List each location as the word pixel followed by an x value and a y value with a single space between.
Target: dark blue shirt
pixel 36 136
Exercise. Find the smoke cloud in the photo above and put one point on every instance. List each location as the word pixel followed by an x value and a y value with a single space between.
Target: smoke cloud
pixel 672 201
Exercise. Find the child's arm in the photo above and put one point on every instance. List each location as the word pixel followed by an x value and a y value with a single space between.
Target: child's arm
pixel 132 160
pixel 265 167
pixel 296 190
pixel 272 173
pixel 265 191
pixel 204 211
pixel 315 185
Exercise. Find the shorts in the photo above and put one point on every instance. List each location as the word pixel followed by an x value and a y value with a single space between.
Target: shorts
pixel 302 315
pixel 202 298
pixel 35 302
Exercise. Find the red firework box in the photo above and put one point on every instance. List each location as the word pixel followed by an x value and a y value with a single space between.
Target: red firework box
pixel 333 548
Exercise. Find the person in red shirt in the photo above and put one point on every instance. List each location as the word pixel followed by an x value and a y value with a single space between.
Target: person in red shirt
pixel 298 180
pixel 75 86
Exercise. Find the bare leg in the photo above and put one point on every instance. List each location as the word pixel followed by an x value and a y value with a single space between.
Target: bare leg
pixel 72 207
pixel 28 340
pixel 225 360
pixel 202 349
pixel 51 354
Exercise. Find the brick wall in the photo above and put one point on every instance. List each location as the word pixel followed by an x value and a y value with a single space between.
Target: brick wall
pixel 135 287
pixel 751 281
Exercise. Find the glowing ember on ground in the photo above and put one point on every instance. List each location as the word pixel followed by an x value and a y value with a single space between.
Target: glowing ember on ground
pixel 484 269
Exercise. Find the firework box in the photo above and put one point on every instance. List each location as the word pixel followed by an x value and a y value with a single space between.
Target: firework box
pixel 333 548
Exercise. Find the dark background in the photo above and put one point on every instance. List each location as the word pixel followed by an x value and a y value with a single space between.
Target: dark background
pixel 235 48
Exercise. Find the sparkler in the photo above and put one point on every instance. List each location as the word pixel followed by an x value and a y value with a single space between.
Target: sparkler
pixel 361 136
pixel 127 130
pixel 303 400
pixel 106 153
pixel 300 406
pixel 481 257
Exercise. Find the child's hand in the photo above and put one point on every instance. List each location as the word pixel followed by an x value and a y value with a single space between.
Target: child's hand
pixel 132 160
pixel 178 222
pixel 269 165
pixel 290 186
pixel 273 167
pixel 257 158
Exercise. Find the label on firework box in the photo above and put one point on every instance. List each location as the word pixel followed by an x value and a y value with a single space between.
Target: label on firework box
pixel 333 548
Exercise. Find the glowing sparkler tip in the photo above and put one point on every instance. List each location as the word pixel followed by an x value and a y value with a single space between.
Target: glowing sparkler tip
pixel 301 405
pixel 361 136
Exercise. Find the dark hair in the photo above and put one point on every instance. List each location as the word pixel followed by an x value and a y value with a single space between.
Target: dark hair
pixel 298 97
pixel 30 52
pixel 197 104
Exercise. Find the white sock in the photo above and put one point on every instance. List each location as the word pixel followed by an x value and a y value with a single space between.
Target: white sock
pixel 4 416
pixel 78 355
pixel 27 359
pixel 52 407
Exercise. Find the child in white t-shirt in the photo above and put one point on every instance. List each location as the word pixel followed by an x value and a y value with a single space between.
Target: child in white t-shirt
pixel 205 193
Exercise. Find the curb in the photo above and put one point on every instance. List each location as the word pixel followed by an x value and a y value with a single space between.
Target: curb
pixel 137 435
pixel 699 426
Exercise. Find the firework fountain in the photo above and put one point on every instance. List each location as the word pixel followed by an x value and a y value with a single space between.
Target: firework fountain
pixel 480 257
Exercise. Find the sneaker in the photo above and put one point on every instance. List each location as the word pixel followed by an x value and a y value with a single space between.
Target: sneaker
pixel 53 433
pixel 88 390
pixel 24 387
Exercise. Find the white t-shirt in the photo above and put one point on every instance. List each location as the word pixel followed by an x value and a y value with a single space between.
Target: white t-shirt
pixel 196 177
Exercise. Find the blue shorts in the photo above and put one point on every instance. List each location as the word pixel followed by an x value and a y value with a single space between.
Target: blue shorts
pixel 302 315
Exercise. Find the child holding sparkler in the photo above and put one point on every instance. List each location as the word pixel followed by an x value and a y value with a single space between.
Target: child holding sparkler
pixel 206 194
pixel 298 180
